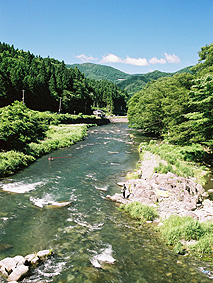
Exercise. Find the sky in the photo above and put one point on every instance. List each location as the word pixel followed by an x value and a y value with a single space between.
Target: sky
pixel 134 36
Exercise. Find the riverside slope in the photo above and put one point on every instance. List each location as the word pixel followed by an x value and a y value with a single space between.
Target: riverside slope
pixel 169 193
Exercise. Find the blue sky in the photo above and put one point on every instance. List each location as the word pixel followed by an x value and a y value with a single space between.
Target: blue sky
pixel 134 36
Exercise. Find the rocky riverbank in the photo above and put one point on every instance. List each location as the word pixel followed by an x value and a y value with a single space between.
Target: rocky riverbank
pixel 169 193
pixel 17 268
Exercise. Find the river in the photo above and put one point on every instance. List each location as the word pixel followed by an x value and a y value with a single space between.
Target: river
pixel 92 227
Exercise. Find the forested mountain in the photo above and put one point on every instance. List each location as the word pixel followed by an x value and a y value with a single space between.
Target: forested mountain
pixel 45 81
pixel 137 82
pixel 127 82
pixel 178 108
pixel 100 72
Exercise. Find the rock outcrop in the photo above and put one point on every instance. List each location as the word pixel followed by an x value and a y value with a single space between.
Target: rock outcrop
pixel 169 193
pixel 16 268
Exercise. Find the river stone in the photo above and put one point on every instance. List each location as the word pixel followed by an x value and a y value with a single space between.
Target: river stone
pixel 58 205
pixel 18 273
pixel 8 263
pixel 30 257
pixel 44 254
pixel 20 260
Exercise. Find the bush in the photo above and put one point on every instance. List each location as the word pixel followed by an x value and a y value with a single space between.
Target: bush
pixel 20 125
pixel 12 160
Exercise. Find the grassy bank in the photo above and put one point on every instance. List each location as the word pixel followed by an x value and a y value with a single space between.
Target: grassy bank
pixel 140 211
pixel 184 234
pixel 185 161
pixel 56 137
pixel 187 235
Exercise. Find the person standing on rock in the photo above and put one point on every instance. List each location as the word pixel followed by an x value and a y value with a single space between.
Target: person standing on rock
pixel 139 174
pixel 123 190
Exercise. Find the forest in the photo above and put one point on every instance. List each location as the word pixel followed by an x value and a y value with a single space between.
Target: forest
pixel 46 81
pixel 178 108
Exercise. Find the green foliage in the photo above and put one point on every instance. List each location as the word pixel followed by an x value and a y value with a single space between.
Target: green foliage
pixel 19 126
pixel 130 83
pixel 204 247
pixel 178 108
pixel 135 83
pixel 179 248
pixel 140 211
pixel 12 160
pixel 180 160
pixel 46 81
pixel 100 72
pixel 176 228
pixel 57 137
pixel 205 64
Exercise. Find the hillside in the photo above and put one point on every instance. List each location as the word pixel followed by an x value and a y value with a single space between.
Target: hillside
pixel 130 83
pixel 45 84
pixel 100 72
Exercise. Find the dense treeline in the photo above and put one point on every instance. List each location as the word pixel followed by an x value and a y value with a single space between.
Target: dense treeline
pixel 46 80
pixel 178 108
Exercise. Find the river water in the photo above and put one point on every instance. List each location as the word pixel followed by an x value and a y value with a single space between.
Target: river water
pixel 91 230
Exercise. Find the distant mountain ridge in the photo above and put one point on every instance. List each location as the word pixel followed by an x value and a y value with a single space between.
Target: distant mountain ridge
pixel 131 83
pixel 100 72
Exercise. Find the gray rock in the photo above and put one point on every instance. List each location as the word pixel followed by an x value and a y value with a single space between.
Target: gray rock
pixel 18 273
pixel 9 264
pixel 44 254
pixel 20 260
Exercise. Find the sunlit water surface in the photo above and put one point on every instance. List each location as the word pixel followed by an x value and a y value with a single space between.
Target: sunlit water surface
pixel 91 230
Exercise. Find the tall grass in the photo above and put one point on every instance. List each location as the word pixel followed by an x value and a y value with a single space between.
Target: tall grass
pixel 176 229
pixel 140 211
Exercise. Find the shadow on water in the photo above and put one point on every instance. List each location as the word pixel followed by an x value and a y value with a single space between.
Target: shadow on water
pixel 92 240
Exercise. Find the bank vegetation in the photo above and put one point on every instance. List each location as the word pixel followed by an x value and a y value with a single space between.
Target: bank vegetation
pixel 26 135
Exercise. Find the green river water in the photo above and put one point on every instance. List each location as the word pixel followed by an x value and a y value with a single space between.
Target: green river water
pixel 91 228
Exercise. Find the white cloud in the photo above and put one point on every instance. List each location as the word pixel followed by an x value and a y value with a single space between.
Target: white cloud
pixel 85 58
pixel 155 60
pixel 136 61
pixel 173 59
pixel 111 58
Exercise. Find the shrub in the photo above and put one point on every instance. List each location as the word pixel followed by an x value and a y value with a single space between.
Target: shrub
pixel 12 160
pixel 20 125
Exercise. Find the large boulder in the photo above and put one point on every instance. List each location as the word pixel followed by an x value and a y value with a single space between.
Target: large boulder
pixel 18 273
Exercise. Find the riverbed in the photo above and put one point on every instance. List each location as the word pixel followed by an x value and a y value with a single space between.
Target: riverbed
pixel 91 240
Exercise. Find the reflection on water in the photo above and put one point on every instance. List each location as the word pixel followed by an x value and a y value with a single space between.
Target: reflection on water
pixel 92 241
